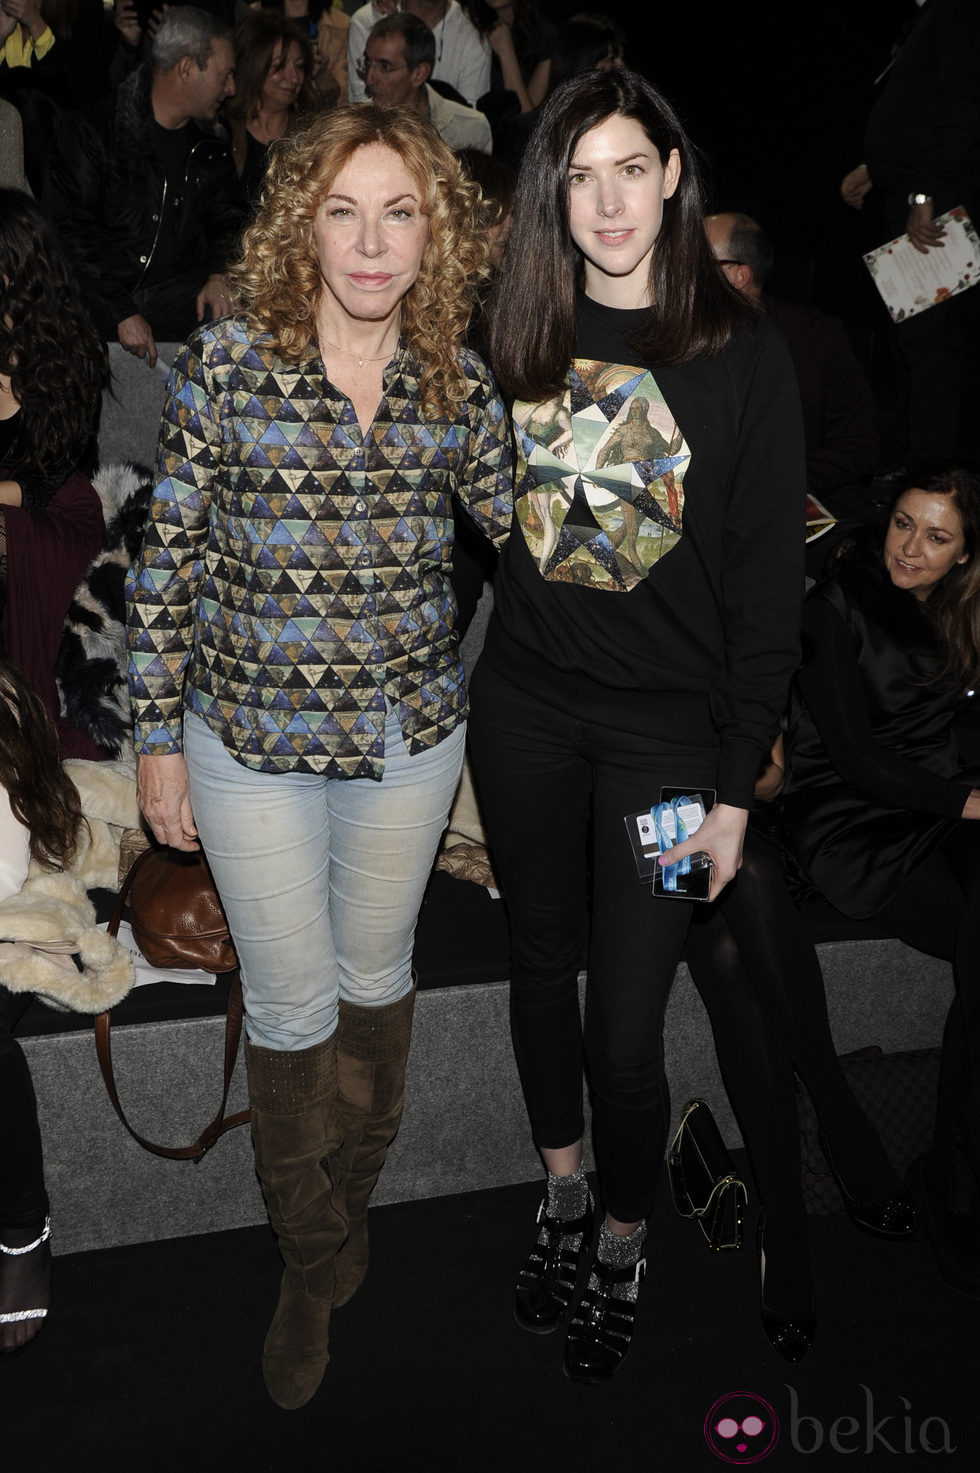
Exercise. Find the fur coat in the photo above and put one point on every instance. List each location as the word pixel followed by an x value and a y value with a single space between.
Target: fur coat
pixel 91 666
pixel 42 928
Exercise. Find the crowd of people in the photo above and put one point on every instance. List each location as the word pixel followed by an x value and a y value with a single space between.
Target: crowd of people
pixel 322 210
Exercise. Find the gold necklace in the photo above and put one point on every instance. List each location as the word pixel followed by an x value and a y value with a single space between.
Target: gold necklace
pixel 361 358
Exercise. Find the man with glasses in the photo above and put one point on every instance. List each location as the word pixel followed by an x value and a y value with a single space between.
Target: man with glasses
pixel 397 63
pixel 838 406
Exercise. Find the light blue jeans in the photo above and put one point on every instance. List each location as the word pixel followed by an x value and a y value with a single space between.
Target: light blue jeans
pixel 321 878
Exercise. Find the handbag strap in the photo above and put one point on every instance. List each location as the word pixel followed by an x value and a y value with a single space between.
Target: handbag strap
pixel 233 1032
pixel 217 1127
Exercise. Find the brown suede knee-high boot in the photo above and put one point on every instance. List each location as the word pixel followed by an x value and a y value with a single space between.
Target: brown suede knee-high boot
pixel 372 1048
pixel 296 1135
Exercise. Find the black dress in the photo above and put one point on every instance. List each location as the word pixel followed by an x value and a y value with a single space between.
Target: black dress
pixel 874 783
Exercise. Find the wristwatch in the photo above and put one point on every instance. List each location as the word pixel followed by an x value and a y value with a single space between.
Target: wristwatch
pixel 919 199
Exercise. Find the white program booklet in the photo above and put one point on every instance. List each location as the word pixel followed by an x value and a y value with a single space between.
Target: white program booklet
pixel 145 974
pixel 910 282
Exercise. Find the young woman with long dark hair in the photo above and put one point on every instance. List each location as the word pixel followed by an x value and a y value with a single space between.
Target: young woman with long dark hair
pixel 644 635
pixel 882 812
pixel 39 816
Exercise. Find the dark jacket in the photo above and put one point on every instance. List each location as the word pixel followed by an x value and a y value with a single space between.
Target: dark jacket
pixel 105 191
pixel 837 402
pixel 924 129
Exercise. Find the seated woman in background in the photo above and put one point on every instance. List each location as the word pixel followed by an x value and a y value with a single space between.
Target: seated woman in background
pixel 39 817
pixel 327 28
pixel 25 36
pixel 273 84
pixel 53 45
pixel 881 814
pixel 521 40
pixel 53 368
pixel 585 42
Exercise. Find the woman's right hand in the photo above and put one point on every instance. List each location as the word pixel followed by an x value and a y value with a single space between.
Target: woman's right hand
pixel 721 835
pixel 127 22
pixel 855 186
pixel 163 792
pixel 971 808
pixel 501 40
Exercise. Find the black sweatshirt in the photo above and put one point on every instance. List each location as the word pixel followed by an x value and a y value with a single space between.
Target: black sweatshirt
pixel 665 513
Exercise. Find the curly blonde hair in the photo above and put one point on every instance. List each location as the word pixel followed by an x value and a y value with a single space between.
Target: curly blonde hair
pixel 278 282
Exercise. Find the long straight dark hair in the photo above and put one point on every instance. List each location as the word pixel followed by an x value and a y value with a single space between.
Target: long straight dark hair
pixel 532 310
pixel 947 624
pixel 42 795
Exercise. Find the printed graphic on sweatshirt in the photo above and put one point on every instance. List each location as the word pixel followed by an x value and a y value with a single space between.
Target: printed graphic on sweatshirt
pixel 600 489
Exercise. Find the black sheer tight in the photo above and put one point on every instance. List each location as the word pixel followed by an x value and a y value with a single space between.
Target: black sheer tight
pixel 759 1079
pixel 782 970
pixel 938 911
pixel 25 1278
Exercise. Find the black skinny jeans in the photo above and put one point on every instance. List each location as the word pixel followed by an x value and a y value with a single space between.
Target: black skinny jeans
pixel 555 792
pixel 23 1199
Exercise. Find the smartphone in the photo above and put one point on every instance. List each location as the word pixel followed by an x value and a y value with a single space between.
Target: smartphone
pixel 696 883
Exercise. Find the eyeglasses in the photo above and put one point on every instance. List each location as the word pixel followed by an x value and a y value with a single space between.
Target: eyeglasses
pixel 728 1427
pixel 384 67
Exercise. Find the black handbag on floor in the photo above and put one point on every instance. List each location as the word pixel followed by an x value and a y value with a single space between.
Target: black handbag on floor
pixel 897 1092
pixel 703 1181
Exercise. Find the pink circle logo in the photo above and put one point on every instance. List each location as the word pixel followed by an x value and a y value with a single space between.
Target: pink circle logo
pixel 741 1428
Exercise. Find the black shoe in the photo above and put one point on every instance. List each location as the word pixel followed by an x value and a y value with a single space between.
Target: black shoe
pixel 547 1281
pixel 893 1216
pixel 954 1236
pixel 789 1335
pixel 602 1326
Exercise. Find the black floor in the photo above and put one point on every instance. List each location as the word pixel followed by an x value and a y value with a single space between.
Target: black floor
pixel 150 1360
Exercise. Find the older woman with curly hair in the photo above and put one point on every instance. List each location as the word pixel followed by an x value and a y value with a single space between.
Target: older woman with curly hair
pixel 294 669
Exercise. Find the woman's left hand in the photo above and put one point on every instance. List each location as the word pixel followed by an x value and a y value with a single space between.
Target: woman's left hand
pixel 721 836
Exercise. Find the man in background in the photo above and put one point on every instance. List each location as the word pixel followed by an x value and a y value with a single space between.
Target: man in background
pixel 147 198
pixel 838 406
pixel 398 60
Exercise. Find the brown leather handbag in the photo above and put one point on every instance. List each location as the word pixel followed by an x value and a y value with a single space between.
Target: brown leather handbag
pixel 175 913
pixel 178 922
